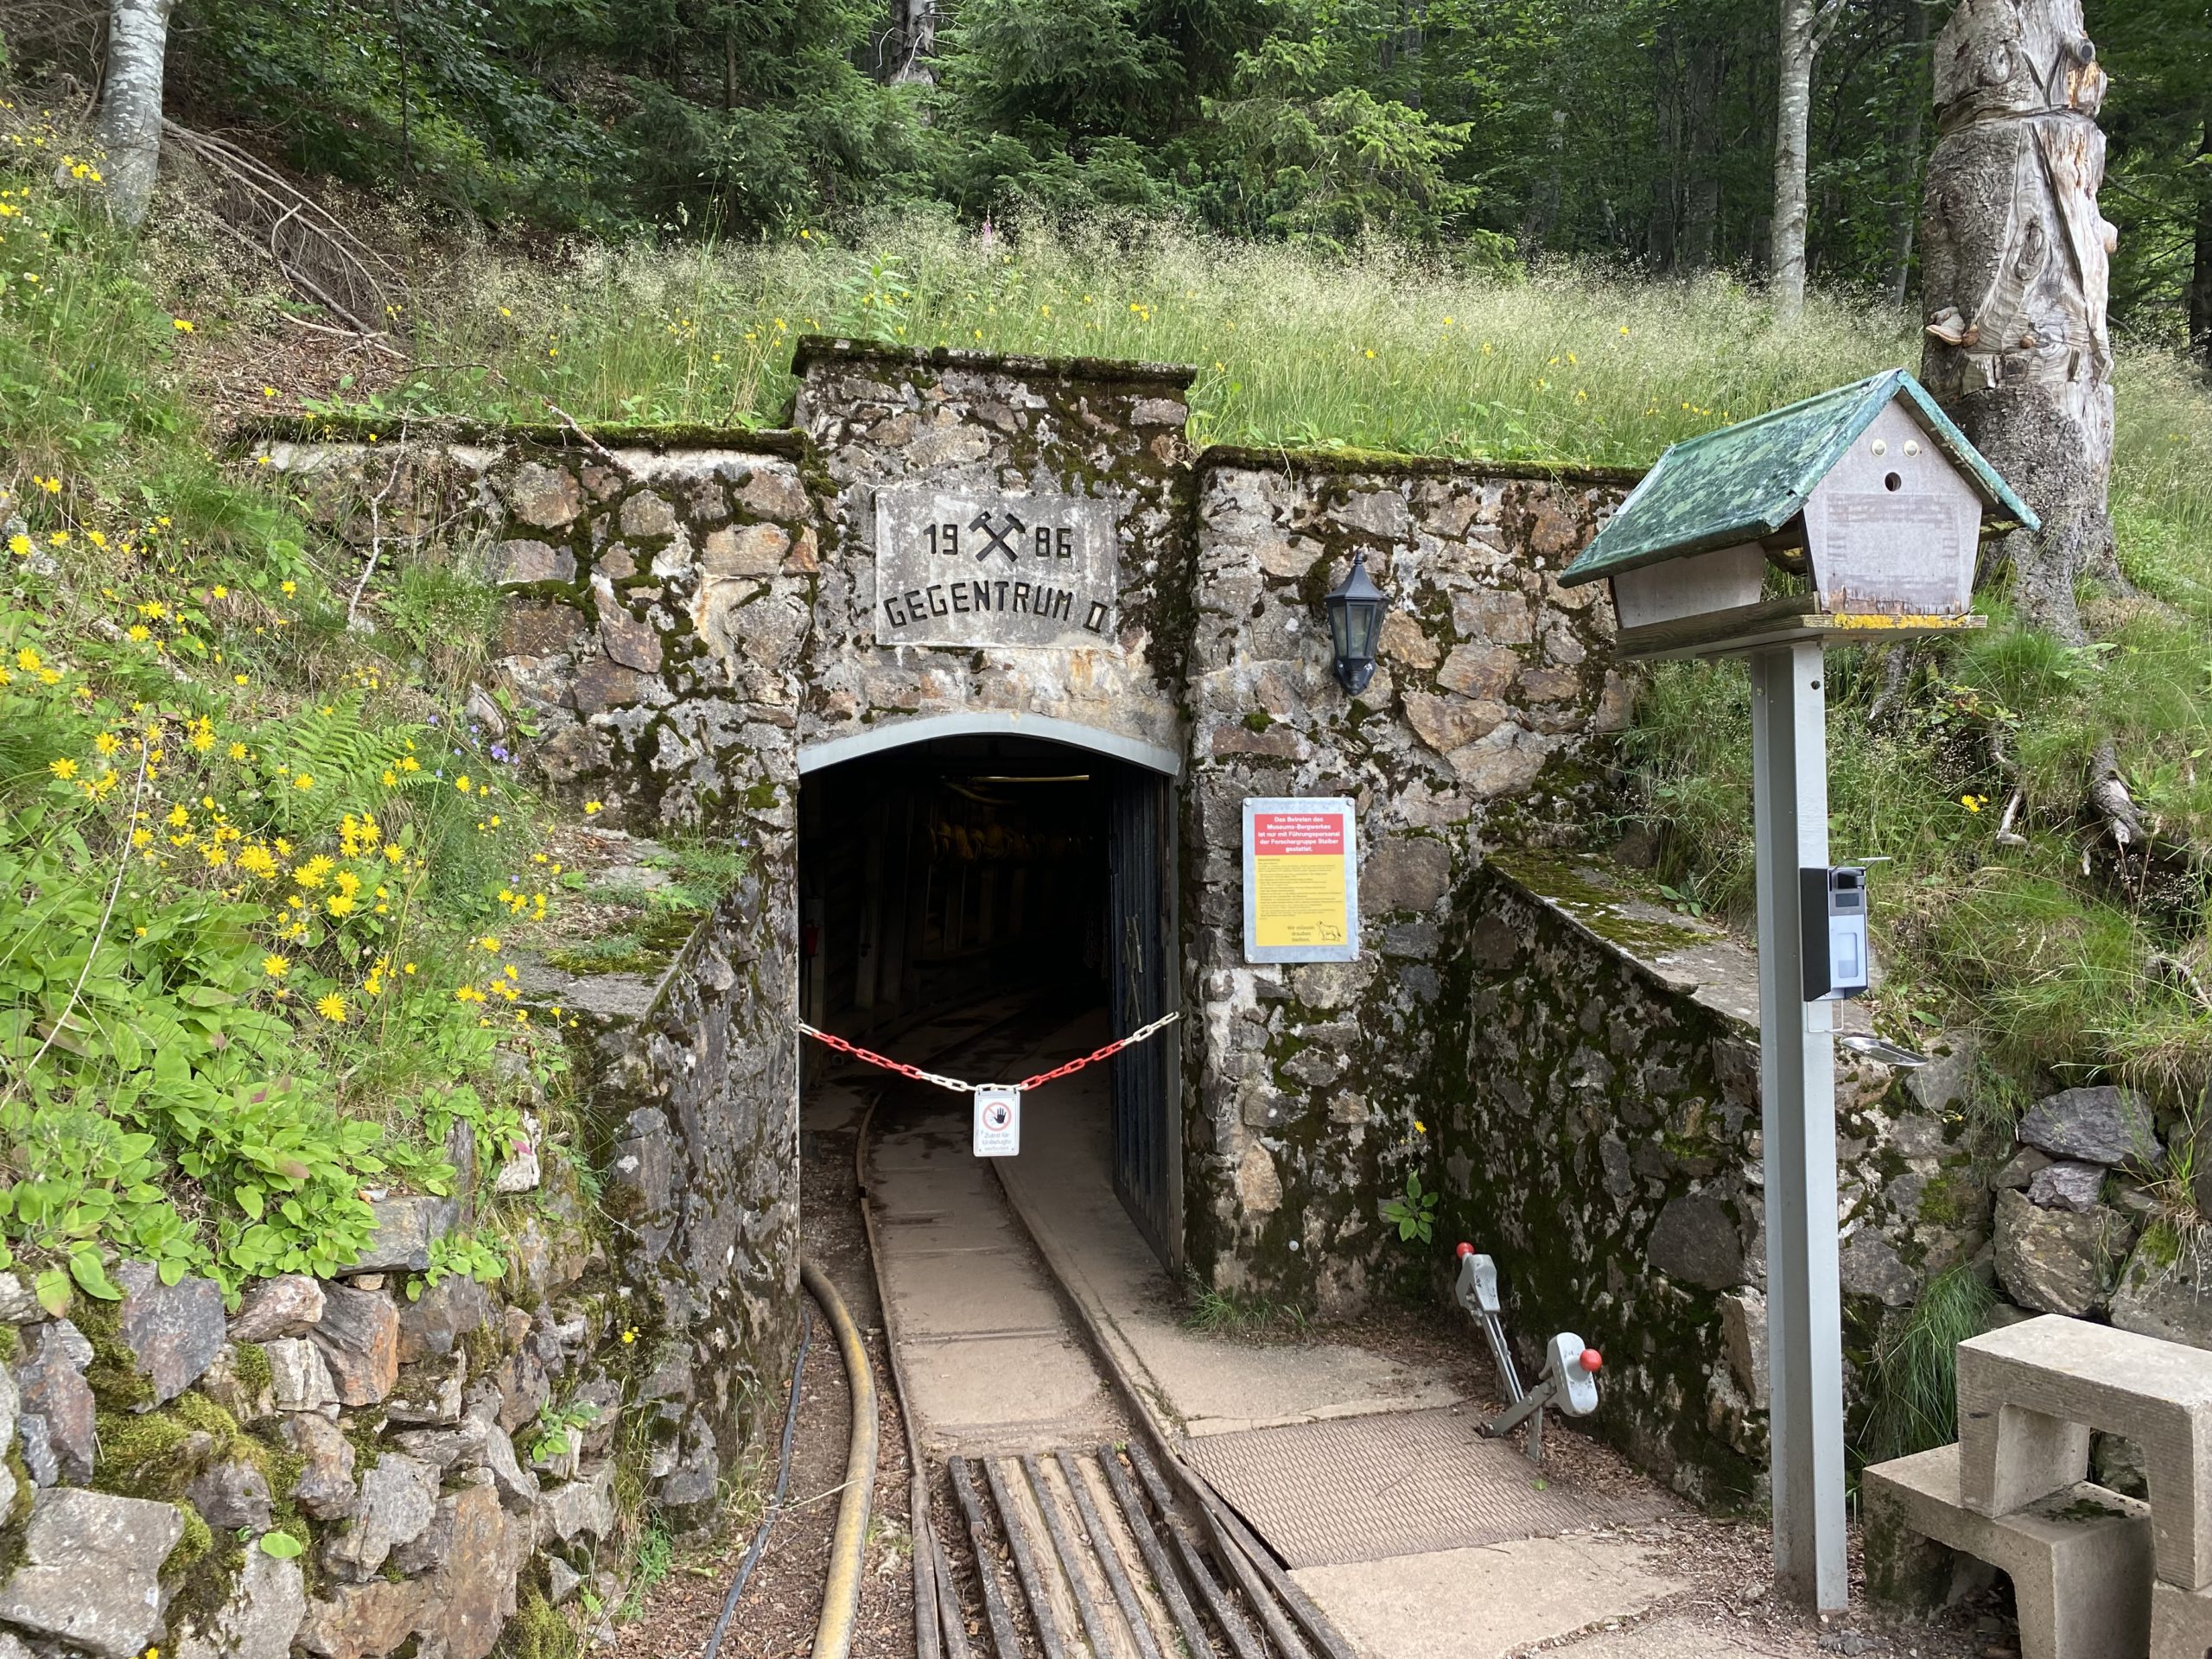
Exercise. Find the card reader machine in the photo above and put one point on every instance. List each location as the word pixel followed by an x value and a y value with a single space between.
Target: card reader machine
pixel 1832 905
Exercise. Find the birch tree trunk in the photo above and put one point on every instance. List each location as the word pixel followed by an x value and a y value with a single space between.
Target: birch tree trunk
pixel 2200 276
pixel 131 104
pixel 2015 268
pixel 1805 24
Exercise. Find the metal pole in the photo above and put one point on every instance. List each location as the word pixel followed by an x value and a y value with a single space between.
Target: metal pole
pixel 1790 789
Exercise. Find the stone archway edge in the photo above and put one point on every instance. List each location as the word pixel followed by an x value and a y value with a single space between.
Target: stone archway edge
pixel 829 751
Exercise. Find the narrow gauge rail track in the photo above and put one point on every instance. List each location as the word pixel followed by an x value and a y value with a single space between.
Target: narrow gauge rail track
pixel 1097 1551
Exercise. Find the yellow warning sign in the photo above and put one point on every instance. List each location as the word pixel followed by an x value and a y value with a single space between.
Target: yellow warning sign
pixel 1300 896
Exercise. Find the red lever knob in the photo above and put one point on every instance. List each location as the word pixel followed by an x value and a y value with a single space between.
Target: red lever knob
pixel 1465 1250
pixel 1592 1359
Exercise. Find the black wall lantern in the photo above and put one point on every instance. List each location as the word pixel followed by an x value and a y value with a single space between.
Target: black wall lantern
pixel 1355 623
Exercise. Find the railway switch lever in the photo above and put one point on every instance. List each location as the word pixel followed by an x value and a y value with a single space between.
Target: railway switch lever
pixel 1568 1381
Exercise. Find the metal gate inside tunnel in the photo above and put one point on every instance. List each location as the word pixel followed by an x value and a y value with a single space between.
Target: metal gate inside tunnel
pixel 955 871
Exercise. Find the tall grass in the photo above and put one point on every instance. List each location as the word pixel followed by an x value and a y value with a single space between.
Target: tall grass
pixel 1377 351
pixel 1380 350
pixel 1914 1386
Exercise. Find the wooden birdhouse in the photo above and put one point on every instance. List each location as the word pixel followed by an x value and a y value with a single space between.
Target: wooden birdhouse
pixel 1853 516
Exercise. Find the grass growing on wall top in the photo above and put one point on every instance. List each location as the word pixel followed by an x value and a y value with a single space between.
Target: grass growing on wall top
pixel 1379 352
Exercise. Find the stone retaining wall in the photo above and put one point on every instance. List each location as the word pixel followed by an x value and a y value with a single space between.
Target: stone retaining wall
pixel 357 1466
pixel 1596 1129
pixel 1476 729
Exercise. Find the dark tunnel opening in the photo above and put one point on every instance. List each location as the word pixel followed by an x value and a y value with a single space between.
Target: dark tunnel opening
pixel 959 883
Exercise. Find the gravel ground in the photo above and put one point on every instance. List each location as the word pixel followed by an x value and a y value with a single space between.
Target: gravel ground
pixel 776 1616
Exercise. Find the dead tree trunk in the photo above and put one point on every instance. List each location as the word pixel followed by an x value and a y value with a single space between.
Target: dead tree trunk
pixel 1805 26
pixel 131 104
pixel 2015 267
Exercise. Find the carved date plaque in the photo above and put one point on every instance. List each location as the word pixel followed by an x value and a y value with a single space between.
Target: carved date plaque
pixel 1010 568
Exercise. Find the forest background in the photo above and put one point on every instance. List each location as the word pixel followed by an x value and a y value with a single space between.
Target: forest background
pixel 1636 132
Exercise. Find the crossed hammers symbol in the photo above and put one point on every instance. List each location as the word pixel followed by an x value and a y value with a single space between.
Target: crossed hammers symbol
pixel 996 542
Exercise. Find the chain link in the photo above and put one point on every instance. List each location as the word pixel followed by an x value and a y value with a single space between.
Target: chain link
pixel 830 1039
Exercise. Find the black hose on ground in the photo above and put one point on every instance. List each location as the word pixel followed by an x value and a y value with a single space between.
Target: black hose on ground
pixel 776 1503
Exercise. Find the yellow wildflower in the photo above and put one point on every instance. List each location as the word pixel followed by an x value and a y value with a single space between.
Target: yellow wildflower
pixel 332 1007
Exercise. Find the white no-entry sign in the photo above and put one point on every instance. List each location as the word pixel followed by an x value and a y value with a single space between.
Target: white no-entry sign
pixel 998 1121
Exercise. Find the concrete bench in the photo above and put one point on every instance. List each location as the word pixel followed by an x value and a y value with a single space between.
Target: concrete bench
pixel 2078 1558
pixel 2029 1395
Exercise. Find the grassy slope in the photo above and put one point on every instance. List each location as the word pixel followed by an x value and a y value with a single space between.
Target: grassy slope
pixel 2054 966
pixel 248 951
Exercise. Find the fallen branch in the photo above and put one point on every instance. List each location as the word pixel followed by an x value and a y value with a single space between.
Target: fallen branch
pixel 321 258
pixel 590 442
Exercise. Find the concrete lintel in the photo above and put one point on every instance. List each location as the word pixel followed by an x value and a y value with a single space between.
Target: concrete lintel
pixel 991 722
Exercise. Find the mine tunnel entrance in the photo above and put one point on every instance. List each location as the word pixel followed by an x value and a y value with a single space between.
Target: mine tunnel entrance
pixel 987 906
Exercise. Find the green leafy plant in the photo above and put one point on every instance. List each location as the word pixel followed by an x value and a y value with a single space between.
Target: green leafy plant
pixel 1413 1211
pixel 558 1427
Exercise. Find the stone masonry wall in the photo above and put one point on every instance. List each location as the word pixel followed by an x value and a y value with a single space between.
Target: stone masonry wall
pixel 654 606
pixel 352 1466
pixel 1597 1130
pixel 1476 729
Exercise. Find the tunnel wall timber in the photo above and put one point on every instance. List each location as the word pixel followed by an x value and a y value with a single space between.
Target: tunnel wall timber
pixel 691 620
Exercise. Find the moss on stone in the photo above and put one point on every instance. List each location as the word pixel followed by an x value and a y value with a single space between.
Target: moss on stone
pixel 155 1454
pixel 1564 882
pixel 362 1429
pixel 201 1572
pixel 1953 1197
pixel 250 1364
pixel 537 1630
pixel 117 1383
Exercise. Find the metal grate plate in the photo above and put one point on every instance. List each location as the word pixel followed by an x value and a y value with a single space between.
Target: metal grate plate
pixel 1365 1489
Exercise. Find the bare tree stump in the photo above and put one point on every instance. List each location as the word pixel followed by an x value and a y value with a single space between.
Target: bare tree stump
pixel 2015 274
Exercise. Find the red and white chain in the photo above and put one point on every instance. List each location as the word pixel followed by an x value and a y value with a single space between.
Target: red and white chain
pixel 832 1041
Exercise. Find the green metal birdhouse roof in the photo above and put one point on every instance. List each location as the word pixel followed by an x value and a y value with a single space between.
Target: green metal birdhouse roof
pixel 1743 482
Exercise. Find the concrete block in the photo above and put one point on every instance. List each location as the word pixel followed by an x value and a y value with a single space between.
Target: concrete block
pixel 2080 1558
pixel 2029 1394
pixel 2181 1622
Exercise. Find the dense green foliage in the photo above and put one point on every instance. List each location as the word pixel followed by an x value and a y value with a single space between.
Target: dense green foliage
pixel 244 974
pixel 1640 132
